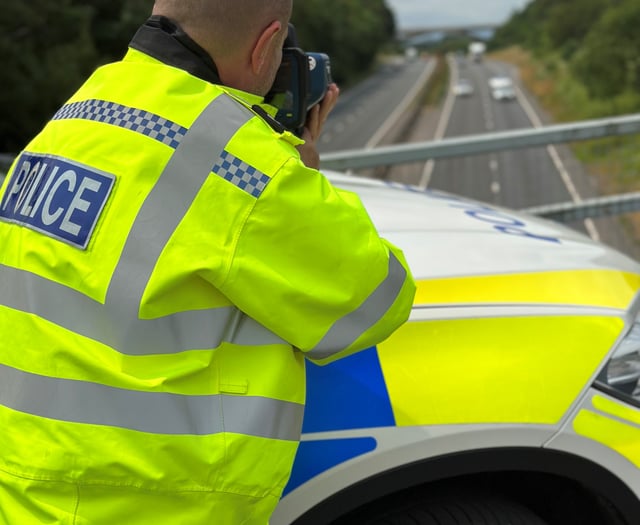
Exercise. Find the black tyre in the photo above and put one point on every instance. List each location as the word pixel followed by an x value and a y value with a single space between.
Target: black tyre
pixel 450 509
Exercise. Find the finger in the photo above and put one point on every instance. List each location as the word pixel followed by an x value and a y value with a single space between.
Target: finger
pixel 314 121
pixel 328 102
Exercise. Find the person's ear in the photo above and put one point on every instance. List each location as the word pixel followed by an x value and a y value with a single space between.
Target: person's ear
pixel 265 46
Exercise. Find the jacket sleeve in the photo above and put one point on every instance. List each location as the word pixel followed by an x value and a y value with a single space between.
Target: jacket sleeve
pixel 310 266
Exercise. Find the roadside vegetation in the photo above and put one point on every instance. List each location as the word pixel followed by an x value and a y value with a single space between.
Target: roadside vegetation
pixel 351 32
pixel 581 61
pixel 438 84
pixel 48 48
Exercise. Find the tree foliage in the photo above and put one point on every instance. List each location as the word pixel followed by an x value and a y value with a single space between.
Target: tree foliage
pixel 567 26
pixel 48 47
pixel 351 32
pixel 599 39
pixel 609 62
pixel 45 46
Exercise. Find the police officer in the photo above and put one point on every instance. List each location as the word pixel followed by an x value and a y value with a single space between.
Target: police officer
pixel 170 257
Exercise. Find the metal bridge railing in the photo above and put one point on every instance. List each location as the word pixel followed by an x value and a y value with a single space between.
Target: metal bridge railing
pixel 481 143
pixel 588 208
pixel 507 140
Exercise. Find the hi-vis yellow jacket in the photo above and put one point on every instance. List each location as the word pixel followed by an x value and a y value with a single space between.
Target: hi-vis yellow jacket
pixel 167 263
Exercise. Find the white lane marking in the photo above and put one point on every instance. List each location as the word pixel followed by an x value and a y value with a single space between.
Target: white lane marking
pixel 493 167
pixel 557 162
pixel 488 114
pixel 400 108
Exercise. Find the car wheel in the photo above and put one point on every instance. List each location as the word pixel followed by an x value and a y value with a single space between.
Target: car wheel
pixel 453 509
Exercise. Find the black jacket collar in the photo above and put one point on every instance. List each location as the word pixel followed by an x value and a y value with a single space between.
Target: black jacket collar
pixel 164 40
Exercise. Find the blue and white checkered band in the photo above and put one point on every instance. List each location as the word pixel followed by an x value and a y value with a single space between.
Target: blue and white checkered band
pixel 138 120
pixel 56 197
pixel 241 174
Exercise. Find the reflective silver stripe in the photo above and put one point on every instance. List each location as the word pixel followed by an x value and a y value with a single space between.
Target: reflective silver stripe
pixel 117 324
pixel 151 412
pixel 197 329
pixel 184 175
pixel 347 329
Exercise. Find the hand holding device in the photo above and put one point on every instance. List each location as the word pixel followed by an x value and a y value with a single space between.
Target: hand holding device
pixel 302 81
pixel 316 117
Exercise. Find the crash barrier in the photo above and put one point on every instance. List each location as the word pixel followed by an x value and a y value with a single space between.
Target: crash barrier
pixel 589 208
pixel 392 155
pixel 489 142
pixel 480 143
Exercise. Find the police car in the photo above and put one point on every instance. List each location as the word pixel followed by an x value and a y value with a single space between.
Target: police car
pixel 511 396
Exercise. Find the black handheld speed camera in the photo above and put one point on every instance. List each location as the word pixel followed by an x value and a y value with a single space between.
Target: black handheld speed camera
pixel 301 82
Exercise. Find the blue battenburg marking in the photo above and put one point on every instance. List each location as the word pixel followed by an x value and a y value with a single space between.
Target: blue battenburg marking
pixel 240 174
pixel 314 457
pixel 57 197
pixel 137 120
pixel 346 394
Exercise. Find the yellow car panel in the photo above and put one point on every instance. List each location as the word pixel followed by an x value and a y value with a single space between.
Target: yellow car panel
pixel 490 370
pixel 593 287
pixel 618 435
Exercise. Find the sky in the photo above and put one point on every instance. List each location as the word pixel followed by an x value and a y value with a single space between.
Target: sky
pixel 438 13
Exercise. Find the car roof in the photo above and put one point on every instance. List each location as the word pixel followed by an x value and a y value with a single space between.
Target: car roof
pixel 444 235
pixel 500 81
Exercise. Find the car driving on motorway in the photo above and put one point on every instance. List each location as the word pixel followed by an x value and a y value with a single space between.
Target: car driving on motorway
pixel 511 396
pixel 503 93
pixel 463 88
pixel 502 88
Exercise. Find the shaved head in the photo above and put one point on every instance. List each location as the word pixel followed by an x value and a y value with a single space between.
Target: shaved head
pixel 224 27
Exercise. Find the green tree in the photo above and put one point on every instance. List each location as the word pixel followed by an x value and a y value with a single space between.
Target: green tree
pixel 48 48
pixel 569 22
pixel 525 27
pixel 113 23
pixel 608 62
pixel 45 50
pixel 351 32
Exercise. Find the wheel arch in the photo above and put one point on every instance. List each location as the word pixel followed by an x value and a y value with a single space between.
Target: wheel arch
pixel 574 469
